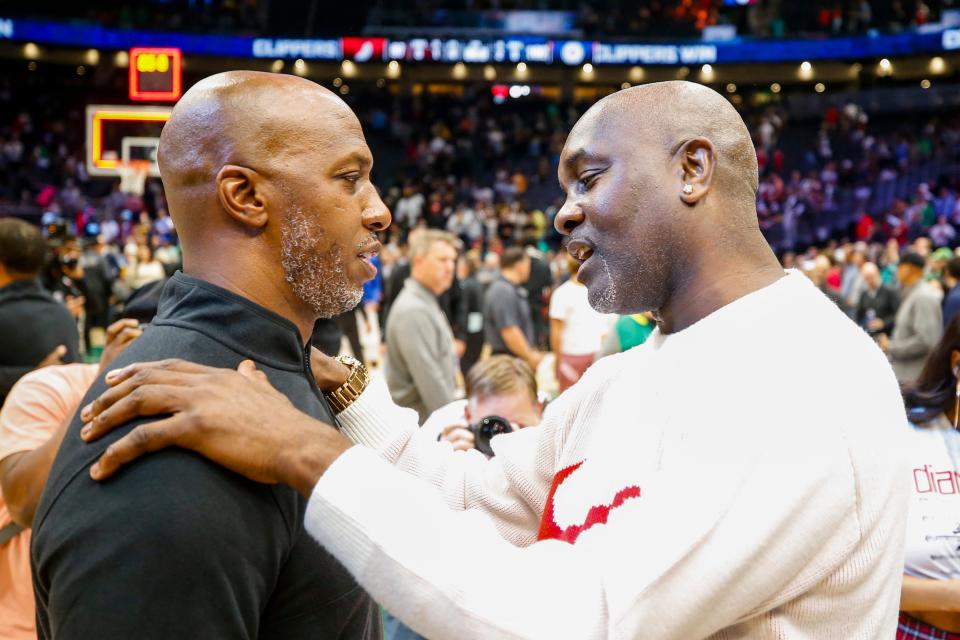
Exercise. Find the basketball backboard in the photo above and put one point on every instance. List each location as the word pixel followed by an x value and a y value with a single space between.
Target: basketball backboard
pixel 119 134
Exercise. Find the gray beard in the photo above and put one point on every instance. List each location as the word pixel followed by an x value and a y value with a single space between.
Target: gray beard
pixel 318 280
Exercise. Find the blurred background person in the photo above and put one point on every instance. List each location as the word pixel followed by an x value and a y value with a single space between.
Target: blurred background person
pixel 472 296
pixel 951 301
pixel 577 331
pixel 878 302
pixel 35 329
pixel 506 310
pixel 33 421
pixel 628 332
pixel 144 268
pixel 421 364
pixel 501 386
pixel 930 600
pixel 918 323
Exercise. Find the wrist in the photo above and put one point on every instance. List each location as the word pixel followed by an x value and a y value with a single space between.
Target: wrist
pixel 309 460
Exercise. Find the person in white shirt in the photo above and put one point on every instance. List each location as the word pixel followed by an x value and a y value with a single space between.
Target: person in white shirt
pixel 930 601
pixel 576 329
pixel 716 499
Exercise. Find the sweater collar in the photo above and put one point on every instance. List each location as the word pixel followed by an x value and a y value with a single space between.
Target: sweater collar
pixel 232 320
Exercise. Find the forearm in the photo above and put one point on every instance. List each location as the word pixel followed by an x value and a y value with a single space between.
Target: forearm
pixel 923 594
pixel 556 329
pixel 516 343
pixel 510 493
pixel 23 476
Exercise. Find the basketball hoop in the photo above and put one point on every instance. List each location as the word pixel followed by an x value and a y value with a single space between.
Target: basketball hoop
pixel 133 176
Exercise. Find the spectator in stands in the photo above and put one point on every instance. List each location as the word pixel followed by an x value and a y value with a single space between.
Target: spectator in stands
pixel 951 301
pixel 144 269
pixel 506 310
pixel 577 330
pixel 878 303
pixel 942 234
pixel 918 323
pixel 472 295
pixel 628 331
pixel 929 602
pixel 35 329
pixel 421 364
pixel 32 424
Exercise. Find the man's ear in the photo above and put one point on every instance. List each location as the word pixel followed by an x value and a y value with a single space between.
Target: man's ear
pixel 241 196
pixel 697 158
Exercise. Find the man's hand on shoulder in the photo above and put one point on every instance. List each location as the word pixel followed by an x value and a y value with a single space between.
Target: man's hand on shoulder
pixel 234 418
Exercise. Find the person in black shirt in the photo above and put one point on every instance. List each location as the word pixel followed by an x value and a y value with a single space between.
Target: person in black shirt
pixel 35 329
pixel 268 179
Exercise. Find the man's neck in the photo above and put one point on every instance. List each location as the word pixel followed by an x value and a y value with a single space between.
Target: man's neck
pixel 712 284
pixel 7 278
pixel 511 276
pixel 260 287
pixel 425 286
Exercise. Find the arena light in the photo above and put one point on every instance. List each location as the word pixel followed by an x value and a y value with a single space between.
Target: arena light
pixel 924 84
pixel 31 51
pixel 683 72
pixel 393 69
pixel 521 67
pixel 625 85
pixel 459 71
pixel 277 66
pixel 775 87
pixel 731 88
pixel 855 69
pixel 806 70
pixel 706 73
pixel 122 59
pixel 489 73
pixel 344 90
pixel 92 56
pixel 885 68
pixel 937 65
pixel 636 74
pixel 348 68
pixel 337 82
pixel 587 69
pixel 81 70
pixel 300 67
pixel 819 87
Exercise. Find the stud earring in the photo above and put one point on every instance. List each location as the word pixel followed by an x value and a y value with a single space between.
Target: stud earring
pixel 688 189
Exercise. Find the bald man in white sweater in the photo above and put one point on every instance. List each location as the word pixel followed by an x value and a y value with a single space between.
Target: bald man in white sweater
pixel 737 476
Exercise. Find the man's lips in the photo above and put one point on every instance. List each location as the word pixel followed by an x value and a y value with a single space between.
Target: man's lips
pixel 368 251
pixel 579 250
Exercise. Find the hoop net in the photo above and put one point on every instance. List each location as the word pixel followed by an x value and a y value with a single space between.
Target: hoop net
pixel 133 176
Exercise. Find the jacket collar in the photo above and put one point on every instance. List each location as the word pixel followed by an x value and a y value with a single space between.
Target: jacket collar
pixel 234 321
pixel 24 289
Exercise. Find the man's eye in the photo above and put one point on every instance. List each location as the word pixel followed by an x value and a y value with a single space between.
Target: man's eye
pixel 583 184
pixel 352 177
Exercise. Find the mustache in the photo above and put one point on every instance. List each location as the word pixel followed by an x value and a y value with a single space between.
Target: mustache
pixel 370 239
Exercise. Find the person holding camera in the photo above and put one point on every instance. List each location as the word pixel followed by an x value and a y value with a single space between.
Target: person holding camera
pixel 501 397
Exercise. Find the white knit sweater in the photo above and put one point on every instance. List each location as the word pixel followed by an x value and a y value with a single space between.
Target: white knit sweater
pixel 742 478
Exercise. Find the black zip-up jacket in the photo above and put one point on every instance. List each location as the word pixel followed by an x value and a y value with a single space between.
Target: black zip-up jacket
pixel 175 546
pixel 32 324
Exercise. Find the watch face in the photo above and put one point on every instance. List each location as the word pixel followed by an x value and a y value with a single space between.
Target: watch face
pixel 350 361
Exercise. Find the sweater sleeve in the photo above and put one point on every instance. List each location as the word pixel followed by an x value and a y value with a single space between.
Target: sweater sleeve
pixel 677 562
pixel 510 488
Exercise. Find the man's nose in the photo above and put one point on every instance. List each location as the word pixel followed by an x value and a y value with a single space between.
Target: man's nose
pixel 568 218
pixel 376 215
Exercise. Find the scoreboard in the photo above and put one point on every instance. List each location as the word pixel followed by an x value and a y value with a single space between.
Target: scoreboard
pixel 155 74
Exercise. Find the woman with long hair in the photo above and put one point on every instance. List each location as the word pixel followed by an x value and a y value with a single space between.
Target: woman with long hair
pixel 930 600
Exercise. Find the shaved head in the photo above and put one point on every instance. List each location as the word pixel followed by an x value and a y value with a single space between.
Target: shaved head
pixel 655 174
pixel 272 171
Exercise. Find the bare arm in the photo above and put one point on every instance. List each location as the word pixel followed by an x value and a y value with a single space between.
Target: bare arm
pixel 556 330
pixel 923 594
pixel 517 344
pixel 23 475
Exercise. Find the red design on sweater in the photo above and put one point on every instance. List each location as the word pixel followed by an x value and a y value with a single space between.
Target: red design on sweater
pixel 549 530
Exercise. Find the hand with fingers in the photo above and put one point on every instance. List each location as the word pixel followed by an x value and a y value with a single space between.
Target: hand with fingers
pixel 120 335
pixel 232 417
pixel 459 436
